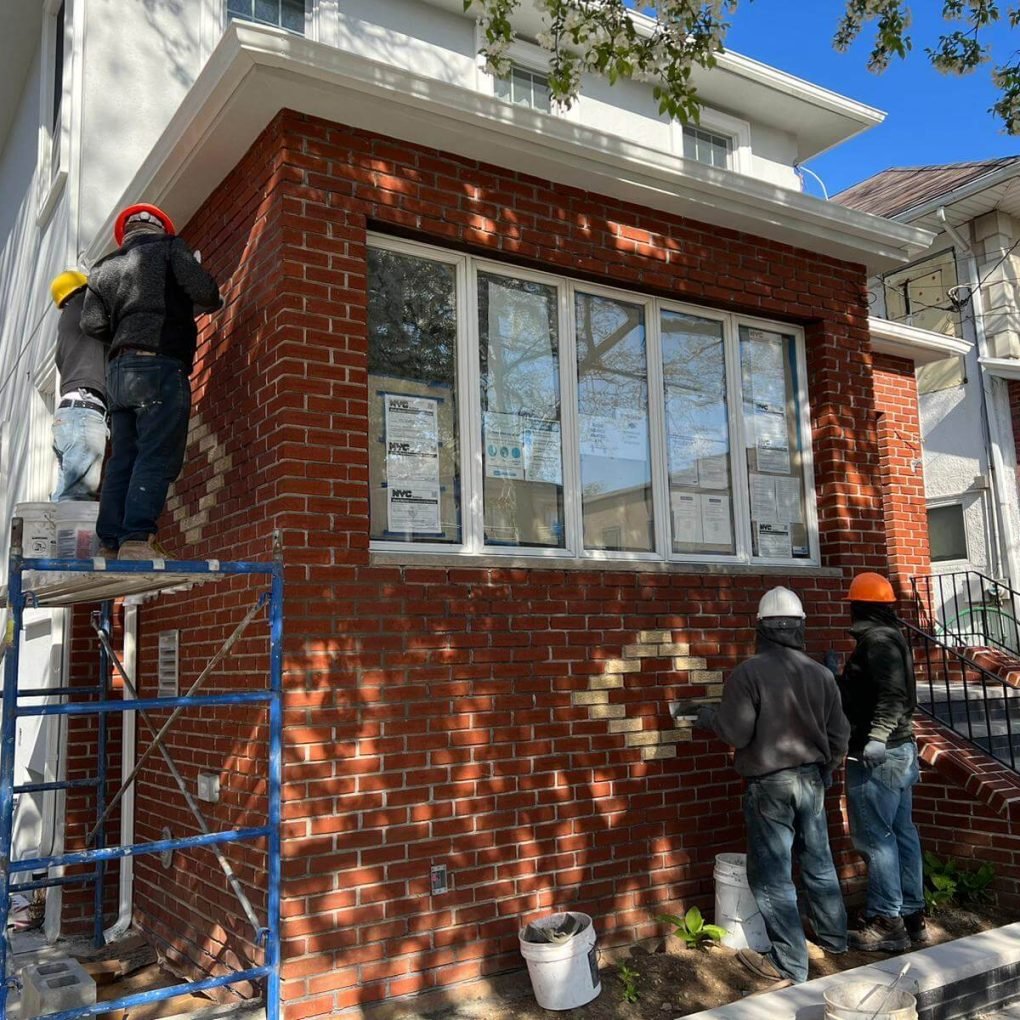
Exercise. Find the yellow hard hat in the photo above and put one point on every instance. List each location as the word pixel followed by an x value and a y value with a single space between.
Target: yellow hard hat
pixel 64 285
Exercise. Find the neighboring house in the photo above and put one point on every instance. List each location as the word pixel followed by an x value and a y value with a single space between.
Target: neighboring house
pixel 541 404
pixel 961 300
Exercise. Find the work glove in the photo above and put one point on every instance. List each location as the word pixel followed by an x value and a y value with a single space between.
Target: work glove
pixel 705 719
pixel 874 753
pixel 826 779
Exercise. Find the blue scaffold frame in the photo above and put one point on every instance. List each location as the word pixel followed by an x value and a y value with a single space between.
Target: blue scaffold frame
pixel 113 579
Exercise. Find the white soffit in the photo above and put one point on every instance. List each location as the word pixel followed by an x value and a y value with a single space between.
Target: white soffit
pixel 922 346
pixel 256 71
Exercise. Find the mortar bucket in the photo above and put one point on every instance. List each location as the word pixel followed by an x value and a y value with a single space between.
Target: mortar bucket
pixel 735 906
pixel 858 1000
pixel 565 974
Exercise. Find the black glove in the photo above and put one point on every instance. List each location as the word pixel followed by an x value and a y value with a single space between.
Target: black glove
pixel 833 662
pixel 705 719
pixel 826 779
pixel 874 753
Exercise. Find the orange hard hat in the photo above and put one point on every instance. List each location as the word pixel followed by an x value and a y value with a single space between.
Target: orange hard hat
pixel 134 210
pixel 870 587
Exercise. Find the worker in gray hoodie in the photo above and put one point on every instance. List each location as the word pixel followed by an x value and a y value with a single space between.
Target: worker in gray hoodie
pixel 781 712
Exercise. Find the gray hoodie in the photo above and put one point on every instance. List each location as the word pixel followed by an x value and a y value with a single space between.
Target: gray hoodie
pixel 781 709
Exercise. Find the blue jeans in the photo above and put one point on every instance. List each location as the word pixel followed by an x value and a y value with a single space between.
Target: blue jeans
pixel 880 802
pixel 150 401
pixel 785 813
pixel 79 442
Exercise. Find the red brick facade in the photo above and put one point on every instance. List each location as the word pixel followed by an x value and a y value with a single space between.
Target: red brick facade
pixel 431 711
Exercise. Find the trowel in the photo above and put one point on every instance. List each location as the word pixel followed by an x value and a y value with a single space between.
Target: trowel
pixel 685 711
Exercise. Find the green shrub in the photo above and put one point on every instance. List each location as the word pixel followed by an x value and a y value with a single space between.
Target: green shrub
pixel 629 977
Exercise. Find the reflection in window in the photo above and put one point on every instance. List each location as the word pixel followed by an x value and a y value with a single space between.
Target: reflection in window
pixel 525 88
pixel 706 147
pixel 413 452
pixel 697 434
pixel 288 14
pixel 518 335
pixel 775 453
pixel 612 398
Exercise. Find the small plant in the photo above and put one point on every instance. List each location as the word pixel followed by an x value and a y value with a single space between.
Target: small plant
pixel 947 882
pixel 693 930
pixel 629 978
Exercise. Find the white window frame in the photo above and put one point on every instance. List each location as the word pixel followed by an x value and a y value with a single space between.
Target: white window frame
pixel 940 503
pixel 216 20
pixel 52 174
pixel 470 446
pixel 718 123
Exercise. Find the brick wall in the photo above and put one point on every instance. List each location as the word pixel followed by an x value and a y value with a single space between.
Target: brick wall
pixel 906 518
pixel 442 713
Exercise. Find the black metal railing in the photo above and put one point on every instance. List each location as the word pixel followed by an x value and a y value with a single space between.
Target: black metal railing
pixel 969 609
pixel 957 692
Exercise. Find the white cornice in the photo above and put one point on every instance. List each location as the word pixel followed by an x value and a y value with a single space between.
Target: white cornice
pixel 255 71
pixel 921 346
pixel 1004 368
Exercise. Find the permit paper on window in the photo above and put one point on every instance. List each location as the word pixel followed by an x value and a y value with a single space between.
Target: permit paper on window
pixel 771 439
pixel 716 527
pixel 540 442
pixel 413 508
pixel 412 438
pixel 621 436
pixel 686 507
pixel 763 498
pixel 774 541
pixel 788 502
pixel 504 453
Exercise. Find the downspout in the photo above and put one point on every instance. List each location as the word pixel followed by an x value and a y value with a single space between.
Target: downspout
pixel 1008 556
pixel 127 764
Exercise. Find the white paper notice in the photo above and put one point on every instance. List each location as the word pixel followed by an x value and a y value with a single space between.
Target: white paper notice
pixel 715 520
pixel 541 444
pixel 788 505
pixel 619 437
pixel 504 454
pixel 413 507
pixel 412 438
pixel 763 498
pixel 771 439
pixel 774 541
pixel 714 471
pixel 686 508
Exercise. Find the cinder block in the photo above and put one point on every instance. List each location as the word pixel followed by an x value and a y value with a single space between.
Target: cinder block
pixel 55 986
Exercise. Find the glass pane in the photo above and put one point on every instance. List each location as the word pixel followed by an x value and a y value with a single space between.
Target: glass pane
pixel 521 87
pixel 540 85
pixel 267 11
pixel 612 397
pixel 947 533
pixel 414 462
pixel 521 435
pixel 240 8
pixel 293 14
pixel 690 146
pixel 775 457
pixel 697 434
pixel 58 68
pixel 504 88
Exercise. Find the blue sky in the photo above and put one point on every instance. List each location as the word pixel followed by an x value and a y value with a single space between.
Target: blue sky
pixel 931 118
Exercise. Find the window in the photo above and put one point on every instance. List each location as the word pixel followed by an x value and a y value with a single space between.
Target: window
pixel 524 88
pixel 921 295
pixel 515 411
pixel 57 88
pixel 947 533
pixel 55 106
pixel 707 147
pixel 288 14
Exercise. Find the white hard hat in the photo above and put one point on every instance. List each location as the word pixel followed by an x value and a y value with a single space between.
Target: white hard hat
pixel 780 602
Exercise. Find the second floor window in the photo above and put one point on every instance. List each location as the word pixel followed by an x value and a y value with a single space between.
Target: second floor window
pixel 707 147
pixel 525 88
pixel 288 14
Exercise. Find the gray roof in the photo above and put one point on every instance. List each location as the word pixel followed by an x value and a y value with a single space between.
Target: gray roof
pixel 894 191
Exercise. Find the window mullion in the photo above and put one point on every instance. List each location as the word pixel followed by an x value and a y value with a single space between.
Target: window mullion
pixel 657 431
pixel 570 431
pixel 738 447
pixel 470 367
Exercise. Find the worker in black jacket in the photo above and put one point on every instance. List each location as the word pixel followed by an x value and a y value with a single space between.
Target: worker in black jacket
pixel 878 692
pixel 781 711
pixel 143 299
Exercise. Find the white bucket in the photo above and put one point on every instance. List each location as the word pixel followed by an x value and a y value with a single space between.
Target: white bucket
pixel 735 906
pixel 858 1000
pixel 39 534
pixel 563 975
pixel 76 529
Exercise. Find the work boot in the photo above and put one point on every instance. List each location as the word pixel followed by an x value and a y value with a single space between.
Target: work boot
pixel 880 934
pixel 139 551
pixel 762 967
pixel 917 928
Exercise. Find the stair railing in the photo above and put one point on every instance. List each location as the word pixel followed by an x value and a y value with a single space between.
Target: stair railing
pixel 969 609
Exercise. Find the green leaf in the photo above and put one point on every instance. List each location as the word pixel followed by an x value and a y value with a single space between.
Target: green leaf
pixel 713 931
pixel 694 920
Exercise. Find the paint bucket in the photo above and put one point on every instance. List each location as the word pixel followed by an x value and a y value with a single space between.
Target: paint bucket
pixel 563 975
pixel 858 1000
pixel 735 906
pixel 75 521
pixel 38 534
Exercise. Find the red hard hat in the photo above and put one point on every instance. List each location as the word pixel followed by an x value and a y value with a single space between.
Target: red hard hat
pixel 132 210
pixel 869 587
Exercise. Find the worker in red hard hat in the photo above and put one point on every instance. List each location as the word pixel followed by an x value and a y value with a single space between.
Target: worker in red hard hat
pixel 142 300
pixel 878 691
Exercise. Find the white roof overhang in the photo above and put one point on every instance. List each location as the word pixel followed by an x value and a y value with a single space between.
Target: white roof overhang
pixel 922 346
pixel 256 71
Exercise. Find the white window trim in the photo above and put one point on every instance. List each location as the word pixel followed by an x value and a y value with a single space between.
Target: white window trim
pixel 320 23
pixel 472 545
pixel 53 179
pixel 960 500
pixel 738 131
